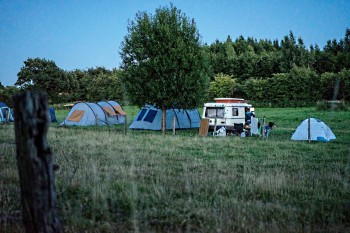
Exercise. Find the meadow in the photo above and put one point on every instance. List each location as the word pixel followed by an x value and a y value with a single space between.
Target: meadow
pixel 141 181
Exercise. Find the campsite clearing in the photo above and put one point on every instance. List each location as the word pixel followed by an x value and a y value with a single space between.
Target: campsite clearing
pixel 142 181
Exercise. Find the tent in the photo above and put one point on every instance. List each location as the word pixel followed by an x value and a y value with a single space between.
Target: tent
pixel 52 115
pixel 103 113
pixel 319 131
pixel 150 118
pixel 115 113
pixel 85 114
pixel 6 114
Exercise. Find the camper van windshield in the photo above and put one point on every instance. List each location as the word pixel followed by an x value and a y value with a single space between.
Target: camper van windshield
pixel 215 112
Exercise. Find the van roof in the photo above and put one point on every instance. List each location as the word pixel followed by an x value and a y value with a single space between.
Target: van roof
pixel 227 105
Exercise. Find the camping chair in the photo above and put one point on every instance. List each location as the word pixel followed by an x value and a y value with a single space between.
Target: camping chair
pixel 238 128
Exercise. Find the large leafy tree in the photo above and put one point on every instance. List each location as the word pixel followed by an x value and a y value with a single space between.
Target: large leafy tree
pixel 42 74
pixel 163 61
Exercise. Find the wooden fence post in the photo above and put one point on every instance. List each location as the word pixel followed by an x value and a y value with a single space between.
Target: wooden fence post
pixel 35 163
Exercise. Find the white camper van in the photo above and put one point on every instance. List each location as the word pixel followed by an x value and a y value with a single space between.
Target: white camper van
pixel 227 112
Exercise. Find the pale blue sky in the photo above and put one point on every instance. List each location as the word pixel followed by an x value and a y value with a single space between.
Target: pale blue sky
pixel 84 34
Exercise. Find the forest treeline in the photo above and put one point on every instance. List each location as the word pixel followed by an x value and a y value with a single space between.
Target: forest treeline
pixel 281 73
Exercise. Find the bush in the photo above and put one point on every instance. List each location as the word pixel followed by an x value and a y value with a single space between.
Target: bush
pixel 331 105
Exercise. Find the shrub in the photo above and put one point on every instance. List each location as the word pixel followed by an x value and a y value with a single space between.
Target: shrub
pixel 331 105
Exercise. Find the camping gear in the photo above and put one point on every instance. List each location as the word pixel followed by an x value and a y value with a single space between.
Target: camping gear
pixel 115 113
pixel 150 118
pixel 254 128
pixel 313 129
pixel 85 114
pixel 6 113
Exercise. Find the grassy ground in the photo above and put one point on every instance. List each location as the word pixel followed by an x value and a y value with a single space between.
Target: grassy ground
pixel 146 182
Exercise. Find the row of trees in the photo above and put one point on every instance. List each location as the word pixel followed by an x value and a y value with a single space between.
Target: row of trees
pixel 246 58
pixel 62 86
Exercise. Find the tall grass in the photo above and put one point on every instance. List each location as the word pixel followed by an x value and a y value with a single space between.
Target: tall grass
pixel 146 182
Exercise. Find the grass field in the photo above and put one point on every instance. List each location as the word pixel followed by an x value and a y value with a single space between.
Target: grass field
pixel 146 182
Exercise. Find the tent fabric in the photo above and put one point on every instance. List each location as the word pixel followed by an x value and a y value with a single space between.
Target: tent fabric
pixel 76 115
pixel 150 118
pixel 2 104
pixel 93 114
pixel 319 131
pixel 52 115
pixel 113 116
pixel 119 110
pixel 109 111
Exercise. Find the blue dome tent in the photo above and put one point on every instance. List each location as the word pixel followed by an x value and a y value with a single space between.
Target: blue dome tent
pixel 150 118
pixel 6 113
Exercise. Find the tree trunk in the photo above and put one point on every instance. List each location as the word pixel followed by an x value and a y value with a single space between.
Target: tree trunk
pixel 35 163
pixel 163 120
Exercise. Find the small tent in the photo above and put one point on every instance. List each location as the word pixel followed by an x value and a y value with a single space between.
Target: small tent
pixel 115 113
pixel 318 131
pixel 52 115
pixel 6 113
pixel 150 118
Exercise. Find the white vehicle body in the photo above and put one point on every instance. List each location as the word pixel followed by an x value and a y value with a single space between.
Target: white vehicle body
pixel 225 112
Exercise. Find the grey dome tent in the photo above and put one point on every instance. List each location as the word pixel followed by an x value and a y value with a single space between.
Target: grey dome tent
pixel 150 118
pixel 318 131
pixel 86 114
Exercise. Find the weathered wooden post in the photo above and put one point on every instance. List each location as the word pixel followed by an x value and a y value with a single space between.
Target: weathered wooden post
pixel 35 163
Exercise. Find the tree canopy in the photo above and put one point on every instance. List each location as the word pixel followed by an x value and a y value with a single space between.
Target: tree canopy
pixel 163 61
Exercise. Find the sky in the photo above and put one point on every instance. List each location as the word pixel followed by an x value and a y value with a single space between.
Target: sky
pixel 82 34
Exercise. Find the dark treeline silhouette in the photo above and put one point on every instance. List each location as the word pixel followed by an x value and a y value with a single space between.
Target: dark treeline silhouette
pixel 282 73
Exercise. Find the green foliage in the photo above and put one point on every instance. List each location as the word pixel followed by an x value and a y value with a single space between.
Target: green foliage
pixel 331 105
pixel 223 86
pixel 163 61
pixel 98 83
pixel 44 75
pixel 6 94
pixel 301 85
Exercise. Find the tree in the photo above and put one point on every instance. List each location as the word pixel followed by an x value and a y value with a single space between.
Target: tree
pixel 42 74
pixel 163 61
pixel 223 86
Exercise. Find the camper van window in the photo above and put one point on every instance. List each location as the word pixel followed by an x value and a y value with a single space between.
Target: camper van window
pixel 234 111
pixel 215 112
pixel 220 112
